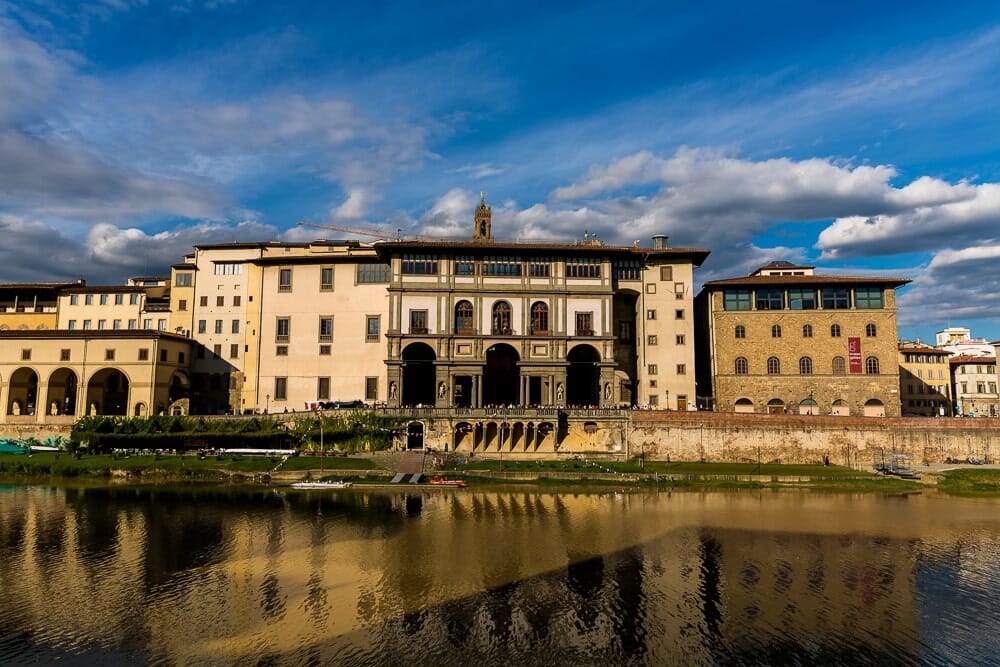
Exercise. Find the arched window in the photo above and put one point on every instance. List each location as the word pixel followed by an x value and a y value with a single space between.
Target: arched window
pixel 776 331
pixel 501 318
pixel 773 366
pixel 839 368
pixel 807 331
pixel 539 319
pixel 805 366
pixel 835 331
pixel 870 330
pixel 742 367
pixel 871 365
pixel 463 318
pixel 741 331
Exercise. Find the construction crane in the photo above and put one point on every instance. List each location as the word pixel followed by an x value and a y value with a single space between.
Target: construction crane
pixel 375 233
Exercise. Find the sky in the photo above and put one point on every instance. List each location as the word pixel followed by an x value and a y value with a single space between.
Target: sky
pixel 857 137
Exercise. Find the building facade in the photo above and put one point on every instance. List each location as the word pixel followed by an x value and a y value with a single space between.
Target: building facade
pixel 974 379
pixel 784 340
pixel 924 380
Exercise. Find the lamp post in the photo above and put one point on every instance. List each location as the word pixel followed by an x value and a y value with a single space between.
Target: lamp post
pixel 267 403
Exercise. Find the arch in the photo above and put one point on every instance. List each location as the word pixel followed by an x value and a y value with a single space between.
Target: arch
pixel 744 405
pixel 839 366
pixel 808 406
pixel 501 376
pixel 140 409
pixel 871 366
pixel 539 319
pixel 874 408
pixel 418 375
pixel 740 331
pixel 583 377
pixel 62 389
pixel 806 366
pixel 775 406
pixel 22 392
pixel 835 331
pixel 546 437
pixel 463 437
pixel 501 319
pixel 840 408
pixel 742 366
pixel 107 392
pixel 807 331
pixel 871 330
pixel 180 386
pixel 773 366
pixel 464 322
pixel 415 435
pixel 775 331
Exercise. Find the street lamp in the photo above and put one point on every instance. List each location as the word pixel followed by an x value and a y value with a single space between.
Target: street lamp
pixel 267 404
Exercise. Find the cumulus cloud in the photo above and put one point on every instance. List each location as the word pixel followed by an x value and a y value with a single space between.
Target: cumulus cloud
pixel 956 286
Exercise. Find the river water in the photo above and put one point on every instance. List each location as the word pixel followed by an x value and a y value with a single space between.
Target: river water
pixel 164 575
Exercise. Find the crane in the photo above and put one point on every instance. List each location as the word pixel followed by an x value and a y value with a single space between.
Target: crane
pixel 376 233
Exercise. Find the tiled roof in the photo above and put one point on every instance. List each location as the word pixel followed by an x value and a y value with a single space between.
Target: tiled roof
pixel 971 359
pixel 697 255
pixel 751 281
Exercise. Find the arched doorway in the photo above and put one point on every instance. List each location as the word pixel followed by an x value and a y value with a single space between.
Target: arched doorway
pixel 808 406
pixel 776 406
pixel 107 393
pixel 840 408
pixel 583 377
pixel 23 392
pixel 178 397
pixel 62 392
pixel 874 408
pixel 501 376
pixel 418 375
pixel 415 435
pixel 464 437
pixel 744 405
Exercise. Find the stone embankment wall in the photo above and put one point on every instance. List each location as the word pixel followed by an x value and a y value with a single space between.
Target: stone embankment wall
pixel 38 431
pixel 807 439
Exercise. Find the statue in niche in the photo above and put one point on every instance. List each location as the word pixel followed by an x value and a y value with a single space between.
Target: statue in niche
pixel 607 391
pixel 442 389
pixel 559 392
pixel 392 390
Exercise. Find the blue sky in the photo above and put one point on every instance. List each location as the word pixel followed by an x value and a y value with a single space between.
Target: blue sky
pixel 858 137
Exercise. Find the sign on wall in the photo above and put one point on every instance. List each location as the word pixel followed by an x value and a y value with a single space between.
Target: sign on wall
pixel 854 354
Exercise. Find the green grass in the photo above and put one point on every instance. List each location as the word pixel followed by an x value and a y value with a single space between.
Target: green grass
pixel 664 468
pixel 971 481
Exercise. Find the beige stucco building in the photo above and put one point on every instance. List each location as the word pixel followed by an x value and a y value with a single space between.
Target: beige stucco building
pixel 924 380
pixel 784 340
pixel 975 384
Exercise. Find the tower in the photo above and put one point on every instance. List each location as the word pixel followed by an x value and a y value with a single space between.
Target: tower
pixel 482 232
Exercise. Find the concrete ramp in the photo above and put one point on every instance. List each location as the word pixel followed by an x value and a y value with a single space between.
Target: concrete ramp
pixel 411 463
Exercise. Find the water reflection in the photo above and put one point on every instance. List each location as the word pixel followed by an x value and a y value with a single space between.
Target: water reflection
pixel 222 576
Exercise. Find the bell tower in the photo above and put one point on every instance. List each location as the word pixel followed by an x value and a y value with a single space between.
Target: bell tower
pixel 482 232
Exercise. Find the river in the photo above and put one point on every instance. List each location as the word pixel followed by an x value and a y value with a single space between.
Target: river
pixel 210 575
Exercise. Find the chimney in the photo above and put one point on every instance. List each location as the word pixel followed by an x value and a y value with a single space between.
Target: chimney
pixel 659 241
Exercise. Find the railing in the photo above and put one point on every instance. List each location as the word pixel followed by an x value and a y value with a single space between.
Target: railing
pixel 502 331
pixel 584 332
pixel 418 330
pixel 550 412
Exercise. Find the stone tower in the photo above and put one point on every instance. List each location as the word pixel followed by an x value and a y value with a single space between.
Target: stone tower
pixel 483 214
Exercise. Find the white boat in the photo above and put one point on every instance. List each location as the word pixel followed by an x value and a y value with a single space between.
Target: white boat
pixel 340 484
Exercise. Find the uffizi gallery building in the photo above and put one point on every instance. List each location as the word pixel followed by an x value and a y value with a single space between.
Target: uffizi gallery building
pixel 274 327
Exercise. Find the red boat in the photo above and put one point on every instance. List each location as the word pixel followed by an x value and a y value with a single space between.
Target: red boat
pixel 441 481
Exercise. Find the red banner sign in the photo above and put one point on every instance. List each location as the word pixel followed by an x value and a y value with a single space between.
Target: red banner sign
pixel 854 354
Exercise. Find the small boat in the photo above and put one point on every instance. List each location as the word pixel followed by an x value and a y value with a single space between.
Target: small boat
pixel 440 481
pixel 340 484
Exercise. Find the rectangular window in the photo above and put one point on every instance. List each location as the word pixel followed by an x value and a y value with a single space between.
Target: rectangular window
pixel 540 267
pixel 119 299
pixel 801 299
pixel 282 329
pixel 682 369
pixel 628 269
pixel 86 324
pixel 116 324
pixel 419 265
pixel 202 324
pixel 652 384
pixel 835 298
pixel 654 400
pixel 133 323
pixel 679 314
pixel 679 290
pixel 203 301
pixel 184 279
pixel 280 389
pixel 736 299
pixel 651 340
pixel 228 268
pixel 217 350
pixel 868 298
pixel 180 358
pixel 284 280
pixel 72 325
pixel 323 388
pixel 651 369
pixel 324 350
pixel 650 288
pixel 220 301
pixel 326 328
pixel 371 388
pixel 26 354
pixel 63 355
pixel 585 324
pixel 218 326
pixel 236 301
pixel 163 355
pixel 161 325
pixel 372 328
pixel 679 340
pixel 88 299
pixel 235 326
pixel 109 355
pixel 373 273
pixel 326 278
pixel 418 321
pixel 583 267
pixel 465 265
pixel 667 273
pixel 501 266
pixel 102 325
pixel 234 350
pixel 144 354
pixel 133 299
pixel 624 331
pixel 182 304
pixel 651 314
pixel 104 299
pixel 74 299
pixel 770 299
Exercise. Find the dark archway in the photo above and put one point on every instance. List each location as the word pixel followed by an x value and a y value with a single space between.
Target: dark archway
pixel 583 377
pixel 418 375
pixel 501 376
pixel 23 392
pixel 415 435
pixel 62 392
pixel 107 393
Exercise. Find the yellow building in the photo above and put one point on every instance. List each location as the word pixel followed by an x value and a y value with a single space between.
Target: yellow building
pixel 784 340
pixel 924 380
